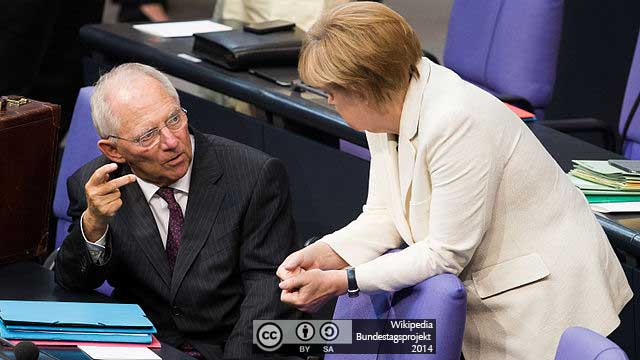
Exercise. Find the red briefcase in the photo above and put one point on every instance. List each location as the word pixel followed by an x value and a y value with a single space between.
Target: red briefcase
pixel 28 156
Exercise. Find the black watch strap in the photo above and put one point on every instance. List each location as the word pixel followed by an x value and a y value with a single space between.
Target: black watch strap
pixel 352 285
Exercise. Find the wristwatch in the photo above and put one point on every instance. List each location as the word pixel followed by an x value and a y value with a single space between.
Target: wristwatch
pixel 352 285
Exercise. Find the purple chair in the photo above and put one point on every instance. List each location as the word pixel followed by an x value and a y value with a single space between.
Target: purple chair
pixel 631 140
pixel 628 116
pixel 441 297
pixel 80 148
pixel 509 48
pixel 578 343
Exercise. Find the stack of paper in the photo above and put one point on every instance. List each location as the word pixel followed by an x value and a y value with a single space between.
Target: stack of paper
pixel 607 188
pixel 600 172
pixel 73 321
pixel 593 190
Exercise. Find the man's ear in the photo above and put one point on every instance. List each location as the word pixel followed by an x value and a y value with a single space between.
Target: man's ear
pixel 110 150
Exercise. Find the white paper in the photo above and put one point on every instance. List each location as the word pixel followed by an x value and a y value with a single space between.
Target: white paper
pixel 181 28
pixel 119 353
pixel 616 207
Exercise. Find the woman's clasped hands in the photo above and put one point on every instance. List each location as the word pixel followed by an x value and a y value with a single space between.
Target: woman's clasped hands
pixel 309 277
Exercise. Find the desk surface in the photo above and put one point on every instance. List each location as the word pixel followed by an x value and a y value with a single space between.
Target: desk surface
pixel 30 281
pixel 123 43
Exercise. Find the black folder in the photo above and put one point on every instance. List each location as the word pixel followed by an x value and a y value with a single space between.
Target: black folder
pixel 239 50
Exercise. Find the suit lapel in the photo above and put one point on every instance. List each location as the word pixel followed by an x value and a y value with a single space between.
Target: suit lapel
pixel 410 118
pixel 391 162
pixel 205 198
pixel 138 219
pixel 406 163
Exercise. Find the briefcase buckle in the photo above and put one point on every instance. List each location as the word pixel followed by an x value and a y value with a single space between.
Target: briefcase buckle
pixel 12 100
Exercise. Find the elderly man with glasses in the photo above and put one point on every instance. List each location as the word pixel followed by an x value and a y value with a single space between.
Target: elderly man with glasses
pixel 190 226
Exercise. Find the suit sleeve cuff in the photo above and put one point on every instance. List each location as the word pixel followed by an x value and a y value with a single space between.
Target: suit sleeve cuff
pixel 96 249
pixel 343 251
pixel 352 251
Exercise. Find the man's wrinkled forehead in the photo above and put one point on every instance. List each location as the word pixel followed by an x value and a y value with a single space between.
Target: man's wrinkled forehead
pixel 129 89
pixel 138 94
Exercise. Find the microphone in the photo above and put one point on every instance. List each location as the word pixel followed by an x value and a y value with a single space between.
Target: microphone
pixel 24 350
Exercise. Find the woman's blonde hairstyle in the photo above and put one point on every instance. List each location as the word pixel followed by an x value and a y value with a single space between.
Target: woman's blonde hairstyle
pixel 362 47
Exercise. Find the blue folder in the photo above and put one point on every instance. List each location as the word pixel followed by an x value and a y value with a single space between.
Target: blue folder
pixel 74 336
pixel 125 330
pixel 73 314
pixel 73 321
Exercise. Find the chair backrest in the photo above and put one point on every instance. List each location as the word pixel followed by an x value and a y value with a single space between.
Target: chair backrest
pixel 80 148
pixel 506 47
pixel 578 343
pixel 441 297
pixel 631 148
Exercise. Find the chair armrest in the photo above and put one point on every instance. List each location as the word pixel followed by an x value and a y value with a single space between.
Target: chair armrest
pixel 584 125
pixel 620 236
pixel 577 125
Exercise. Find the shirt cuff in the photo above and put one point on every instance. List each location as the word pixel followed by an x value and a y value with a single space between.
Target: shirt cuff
pixel 96 249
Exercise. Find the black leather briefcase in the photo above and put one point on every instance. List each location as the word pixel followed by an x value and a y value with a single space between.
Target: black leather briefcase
pixel 28 156
pixel 238 49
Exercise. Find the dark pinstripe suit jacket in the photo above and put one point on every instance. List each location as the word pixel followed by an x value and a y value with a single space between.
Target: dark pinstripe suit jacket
pixel 238 228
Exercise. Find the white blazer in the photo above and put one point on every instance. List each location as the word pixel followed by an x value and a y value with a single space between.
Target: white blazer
pixel 473 192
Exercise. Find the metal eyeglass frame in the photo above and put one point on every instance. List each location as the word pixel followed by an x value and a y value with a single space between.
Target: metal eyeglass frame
pixel 153 133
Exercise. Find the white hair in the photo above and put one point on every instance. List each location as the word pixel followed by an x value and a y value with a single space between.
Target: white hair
pixel 103 119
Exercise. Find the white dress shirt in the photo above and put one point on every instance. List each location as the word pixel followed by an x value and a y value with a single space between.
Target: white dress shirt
pixel 159 208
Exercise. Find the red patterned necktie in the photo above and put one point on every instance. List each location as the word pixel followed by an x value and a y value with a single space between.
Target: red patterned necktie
pixel 176 220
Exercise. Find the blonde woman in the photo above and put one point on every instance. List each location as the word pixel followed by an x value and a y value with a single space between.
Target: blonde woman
pixel 457 177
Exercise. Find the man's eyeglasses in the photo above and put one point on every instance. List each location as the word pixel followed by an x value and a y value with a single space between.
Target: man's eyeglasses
pixel 150 138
